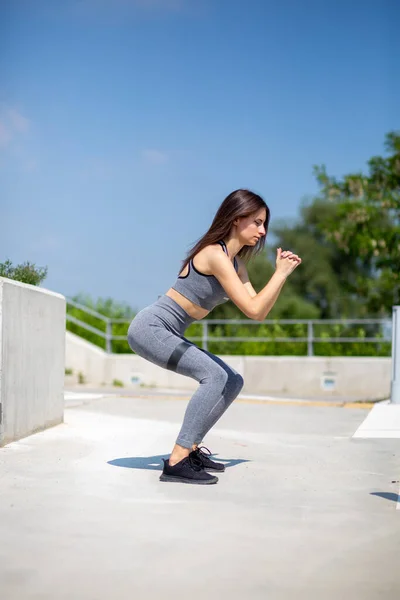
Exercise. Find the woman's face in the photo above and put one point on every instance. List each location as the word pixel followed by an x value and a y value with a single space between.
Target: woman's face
pixel 250 229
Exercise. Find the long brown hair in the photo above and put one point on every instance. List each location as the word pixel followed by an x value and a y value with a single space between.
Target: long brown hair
pixel 240 203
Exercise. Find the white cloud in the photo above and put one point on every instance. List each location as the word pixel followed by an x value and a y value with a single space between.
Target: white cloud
pixel 5 135
pixel 18 121
pixel 154 157
pixel 12 124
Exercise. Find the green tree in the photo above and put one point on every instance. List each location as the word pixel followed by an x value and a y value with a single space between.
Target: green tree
pixel 325 276
pixel 365 225
pixel 26 272
pixel 106 307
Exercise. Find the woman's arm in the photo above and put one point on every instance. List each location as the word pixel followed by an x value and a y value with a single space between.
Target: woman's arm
pixel 255 306
pixel 244 277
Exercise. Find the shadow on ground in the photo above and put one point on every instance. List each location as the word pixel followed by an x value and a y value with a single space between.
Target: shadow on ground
pixel 387 496
pixel 155 463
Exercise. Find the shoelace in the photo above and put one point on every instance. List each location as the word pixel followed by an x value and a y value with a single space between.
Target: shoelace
pixel 195 462
pixel 201 449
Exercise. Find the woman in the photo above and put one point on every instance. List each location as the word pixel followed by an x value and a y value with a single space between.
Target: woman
pixel 213 272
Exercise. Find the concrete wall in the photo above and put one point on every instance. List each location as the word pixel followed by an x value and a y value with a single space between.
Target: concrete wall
pixel 358 377
pixel 365 377
pixel 32 359
pixel 86 358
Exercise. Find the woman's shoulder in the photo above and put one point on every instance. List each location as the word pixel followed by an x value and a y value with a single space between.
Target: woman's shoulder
pixel 204 259
pixel 210 250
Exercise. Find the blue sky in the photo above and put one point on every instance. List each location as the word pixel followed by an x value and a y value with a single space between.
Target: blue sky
pixel 125 123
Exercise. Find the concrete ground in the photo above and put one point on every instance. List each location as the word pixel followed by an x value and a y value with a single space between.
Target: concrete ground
pixel 304 510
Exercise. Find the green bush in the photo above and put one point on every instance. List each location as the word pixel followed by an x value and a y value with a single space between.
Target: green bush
pixel 273 330
pixel 117 383
pixel 25 272
pixel 293 348
pixel 108 308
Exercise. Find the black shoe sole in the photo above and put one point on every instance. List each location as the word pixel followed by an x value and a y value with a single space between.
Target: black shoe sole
pixel 214 469
pixel 174 479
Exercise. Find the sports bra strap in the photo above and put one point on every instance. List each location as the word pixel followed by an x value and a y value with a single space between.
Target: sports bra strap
pixel 225 249
pixel 222 243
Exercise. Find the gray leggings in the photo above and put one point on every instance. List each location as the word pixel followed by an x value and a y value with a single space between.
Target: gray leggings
pixel 156 334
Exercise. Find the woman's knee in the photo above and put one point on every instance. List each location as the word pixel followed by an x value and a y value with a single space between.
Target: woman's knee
pixel 229 382
pixel 239 381
pixel 236 383
pixel 216 376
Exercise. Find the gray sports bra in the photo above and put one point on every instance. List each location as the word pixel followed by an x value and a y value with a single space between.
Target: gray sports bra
pixel 204 290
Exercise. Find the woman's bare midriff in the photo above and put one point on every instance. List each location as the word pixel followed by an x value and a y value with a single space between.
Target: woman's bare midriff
pixel 188 306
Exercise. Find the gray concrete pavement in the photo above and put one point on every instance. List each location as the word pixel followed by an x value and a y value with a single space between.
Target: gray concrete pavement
pixel 303 511
pixel 157 391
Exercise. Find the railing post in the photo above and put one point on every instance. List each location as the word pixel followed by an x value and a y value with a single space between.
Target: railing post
pixel 205 335
pixel 108 336
pixel 310 336
pixel 395 385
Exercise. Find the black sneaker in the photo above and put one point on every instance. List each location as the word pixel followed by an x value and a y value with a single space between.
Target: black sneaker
pixel 188 470
pixel 203 457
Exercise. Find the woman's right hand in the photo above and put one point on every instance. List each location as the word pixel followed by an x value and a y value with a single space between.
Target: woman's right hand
pixel 286 261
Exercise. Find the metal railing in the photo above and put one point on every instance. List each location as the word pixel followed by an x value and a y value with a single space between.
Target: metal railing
pixel 384 326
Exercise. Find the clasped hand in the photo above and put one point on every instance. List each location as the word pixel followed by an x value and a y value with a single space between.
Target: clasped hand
pixel 286 261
